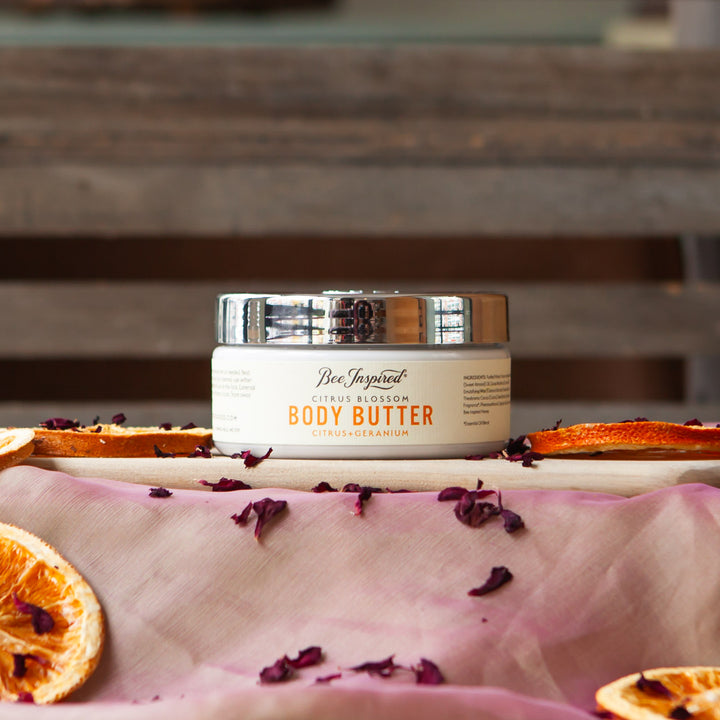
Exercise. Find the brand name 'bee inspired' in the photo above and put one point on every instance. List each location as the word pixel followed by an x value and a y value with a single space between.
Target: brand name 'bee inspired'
pixel 383 380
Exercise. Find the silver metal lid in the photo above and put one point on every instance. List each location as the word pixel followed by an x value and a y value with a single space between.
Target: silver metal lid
pixel 342 318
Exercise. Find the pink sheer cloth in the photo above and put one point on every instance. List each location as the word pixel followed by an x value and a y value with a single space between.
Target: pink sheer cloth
pixel 195 606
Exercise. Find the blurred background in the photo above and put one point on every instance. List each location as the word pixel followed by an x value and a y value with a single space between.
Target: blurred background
pixel 154 153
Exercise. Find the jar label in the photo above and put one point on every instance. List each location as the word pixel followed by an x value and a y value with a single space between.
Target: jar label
pixel 361 403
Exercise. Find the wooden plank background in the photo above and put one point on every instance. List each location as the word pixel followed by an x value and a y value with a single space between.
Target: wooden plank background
pixel 135 183
pixel 408 140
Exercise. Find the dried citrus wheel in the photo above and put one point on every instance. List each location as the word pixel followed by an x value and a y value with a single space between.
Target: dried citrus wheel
pixel 636 435
pixel 15 445
pixel 680 692
pixel 51 624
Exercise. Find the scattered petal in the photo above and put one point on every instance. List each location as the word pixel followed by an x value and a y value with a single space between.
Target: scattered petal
pixel 451 493
pixel 498 577
pixel 364 494
pixel 250 459
pixel 59 424
pixel 279 671
pixel 323 487
pixel 244 516
pixel 19 667
pixel 470 512
pixel 42 621
pixel 384 668
pixel 189 426
pixel 652 687
pixel 20 663
pixel 266 509
pixel 226 485
pixel 160 492
pixel 428 673
pixel 201 451
pixel 680 712
pixel 327 678
pixel 529 457
pixel 118 419
pixel 307 657
pixel 159 453
pixel 25 697
pixel 165 426
pixel 512 521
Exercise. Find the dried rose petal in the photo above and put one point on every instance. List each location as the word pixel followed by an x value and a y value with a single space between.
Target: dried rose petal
pixel 19 667
pixel 279 671
pixel 20 663
pixel 680 712
pixel 98 429
pixel 327 678
pixel 515 451
pixel 323 487
pixel 512 521
pixel 428 673
pixel 653 687
pixel 118 419
pixel 160 492
pixel 201 451
pixel 529 457
pixel 384 668
pixel 189 426
pixel 306 658
pixel 244 516
pixel 363 496
pixel 498 577
pixel 159 453
pixel 165 426
pixel 472 513
pixel 266 509
pixel 517 446
pixel 42 621
pixel 59 424
pixel 694 421
pixel 226 485
pixel 250 459
pixel 25 697
pixel 451 493
pixel 364 493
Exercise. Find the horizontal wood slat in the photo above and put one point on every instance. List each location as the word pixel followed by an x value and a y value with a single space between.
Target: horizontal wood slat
pixel 188 199
pixel 384 80
pixel 386 141
pixel 163 319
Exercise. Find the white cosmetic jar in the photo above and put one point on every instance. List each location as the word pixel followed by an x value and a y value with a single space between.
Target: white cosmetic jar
pixel 366 375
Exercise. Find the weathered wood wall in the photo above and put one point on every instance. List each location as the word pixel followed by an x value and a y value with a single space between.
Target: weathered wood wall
pixel 244 168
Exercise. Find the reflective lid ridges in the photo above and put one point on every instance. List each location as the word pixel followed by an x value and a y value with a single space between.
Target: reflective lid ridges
pixel 358 317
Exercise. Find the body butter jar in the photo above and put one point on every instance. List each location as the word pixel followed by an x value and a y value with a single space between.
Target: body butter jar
pixel 361 375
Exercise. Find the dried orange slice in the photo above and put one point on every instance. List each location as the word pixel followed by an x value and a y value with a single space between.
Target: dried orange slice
pixel 679 692
pixel 636 435
pixel 51 624
pixel 15 445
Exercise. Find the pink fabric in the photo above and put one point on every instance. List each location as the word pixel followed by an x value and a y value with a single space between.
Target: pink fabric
pixel 195 607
